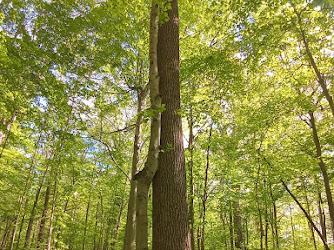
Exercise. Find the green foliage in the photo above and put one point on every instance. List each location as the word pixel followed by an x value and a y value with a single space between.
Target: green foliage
pixel 68 75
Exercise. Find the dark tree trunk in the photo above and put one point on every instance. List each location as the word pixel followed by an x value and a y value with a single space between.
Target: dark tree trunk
pixel 231 229
pixel 205 191
pixel 170 208
pixel 86 221
pixel 32 213
pixel 306 214
pixel 323 169
pixel 322 217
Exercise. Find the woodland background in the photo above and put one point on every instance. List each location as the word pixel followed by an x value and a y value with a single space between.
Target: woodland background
pixel 257 110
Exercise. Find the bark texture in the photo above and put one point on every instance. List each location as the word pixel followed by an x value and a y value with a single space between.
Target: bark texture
pixel 170 215
pixel 144 178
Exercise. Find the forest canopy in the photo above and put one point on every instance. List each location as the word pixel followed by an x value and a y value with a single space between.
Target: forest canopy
pixel 225 108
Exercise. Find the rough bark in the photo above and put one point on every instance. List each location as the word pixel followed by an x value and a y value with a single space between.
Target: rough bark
pixel 170 208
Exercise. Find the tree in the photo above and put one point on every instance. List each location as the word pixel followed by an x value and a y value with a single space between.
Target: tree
pixel 170 216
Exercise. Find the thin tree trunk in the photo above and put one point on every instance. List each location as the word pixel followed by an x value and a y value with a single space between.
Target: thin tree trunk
pixel 231 229
pixel 21 202
pixel 107 235
pixel 100 244
pixel 130 229
pixel 292 229
pixel 32 213
pixel 144 178
pixel 306 215
pixel 223 218
pixel 4 138
pixel 205 191
pixel 23 196
pixel 95 227
pixel 237 225
pixel 86 220
pixel 266 217
pixel 43 220
pixel 21 226
pixel 170 208
pixel 309 224
pixel 191 178
pixel 118 220
pixel 5 235
pixel 323 168
pixel 322 217
pixel 58 231
pixel 54 199
pixel 275 218
pixel 258 204
pixel 314 65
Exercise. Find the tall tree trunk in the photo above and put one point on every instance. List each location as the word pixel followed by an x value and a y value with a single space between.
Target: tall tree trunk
pixel 237 221
pixel 170 208
pixel 118 219
pixel 309 224
pixel 275 221
pixel 323 169
pixel 5 235
pixel 21 226
pixel 25 189
pixel 86 221
pixel 54 199
pixel 306 215
pixel 144 178
pixel 258 204
pixel 314 65
pixel 130 229
pixel 44 217
pixel 231 228
pixel 205 191
pixel 95 246
pixel 21 202
pixel 292 229
pixel 100 244
pixel 322 217
pixel 33 209
pixel 59 227
pixel 107 235
pixel 191 177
